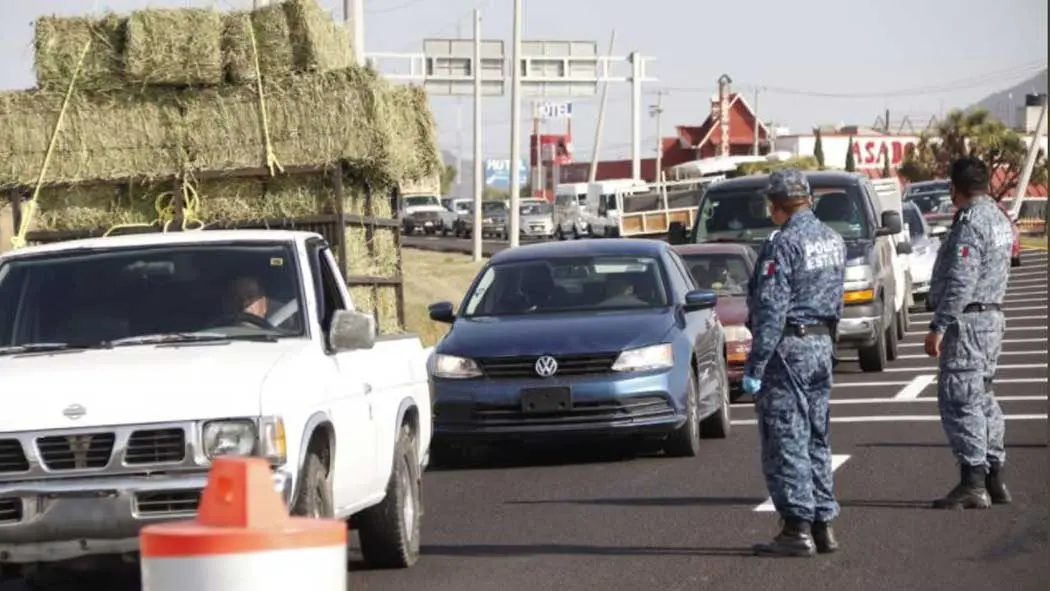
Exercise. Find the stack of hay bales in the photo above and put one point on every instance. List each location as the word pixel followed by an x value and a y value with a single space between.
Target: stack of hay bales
pixel 173 93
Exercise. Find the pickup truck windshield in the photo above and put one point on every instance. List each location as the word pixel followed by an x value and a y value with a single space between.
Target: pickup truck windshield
pixel 493 206
pixel 742 215
pixel 535 208
pixel 931 201
pixel 421 201
pixel 578 284
pixel 725 274
pixel 150 294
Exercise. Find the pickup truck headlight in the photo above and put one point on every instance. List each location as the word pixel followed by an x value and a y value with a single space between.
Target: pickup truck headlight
pixel 455 368
pixel 229 438
pixel 738 343
pixel 273 441
pixel 859 280
pixel 645 358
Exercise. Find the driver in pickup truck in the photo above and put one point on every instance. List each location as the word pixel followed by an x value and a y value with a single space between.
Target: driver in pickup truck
pixel 247 297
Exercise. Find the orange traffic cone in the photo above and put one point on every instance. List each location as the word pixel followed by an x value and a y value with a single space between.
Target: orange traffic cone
pixel 243 540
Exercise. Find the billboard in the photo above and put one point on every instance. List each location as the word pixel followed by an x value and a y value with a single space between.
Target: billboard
pixel 497 172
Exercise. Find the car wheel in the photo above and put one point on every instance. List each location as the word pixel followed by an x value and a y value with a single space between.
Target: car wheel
pixel 873 358
pixel 891 339
pixel 575 232
pixel 389 531
pixel 685 442
pixel 1015 261
pixel 558 234
pixel 903 322
pixel 719 424
pixel 315 493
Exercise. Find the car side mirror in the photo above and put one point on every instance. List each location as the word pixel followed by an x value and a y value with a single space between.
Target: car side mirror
pixel 891 224
pixel 700 299
pixel 938 231
pixel 904 248
pixel 677 234
pixel 441 312
pixel 351 331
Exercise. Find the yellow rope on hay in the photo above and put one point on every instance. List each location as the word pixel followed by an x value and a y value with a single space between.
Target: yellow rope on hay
pixel 271 158
pixel 19 239
pixel 164 205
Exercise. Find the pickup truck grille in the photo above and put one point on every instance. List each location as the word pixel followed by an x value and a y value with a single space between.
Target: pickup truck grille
pixel 10 510
pixel 167 502
pixel 90 451
pixel 568 365
pixel 156 446
pixel 12 458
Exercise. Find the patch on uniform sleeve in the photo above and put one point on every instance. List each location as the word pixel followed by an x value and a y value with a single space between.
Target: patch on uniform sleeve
pixel 962 251
pixel 768 268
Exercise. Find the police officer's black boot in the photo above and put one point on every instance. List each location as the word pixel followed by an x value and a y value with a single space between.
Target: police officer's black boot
pixel 795 539
pixel 824 537
pixel 997 490
pixel 970 493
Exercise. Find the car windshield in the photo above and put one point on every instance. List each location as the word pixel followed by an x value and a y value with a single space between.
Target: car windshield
pixel 461 206
pixel 725 274
pixel 743 215
pixel 150 294
pixel 535 208
pixel 421 200
pixel 577 284
pixel 913 219
pixel 931 201
pixel 493 207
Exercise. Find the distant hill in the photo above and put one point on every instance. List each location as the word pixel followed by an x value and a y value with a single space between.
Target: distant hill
pixel 1000 105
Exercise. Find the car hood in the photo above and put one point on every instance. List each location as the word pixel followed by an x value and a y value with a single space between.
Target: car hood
pixel 732 310
pixel 424 209
pixel 138 384
pixel 537 218
pixel 556 334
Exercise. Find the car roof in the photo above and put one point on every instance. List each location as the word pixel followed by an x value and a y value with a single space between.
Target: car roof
pixel 713 248
pixel 582 248
pixel 756 182
pixel 163 238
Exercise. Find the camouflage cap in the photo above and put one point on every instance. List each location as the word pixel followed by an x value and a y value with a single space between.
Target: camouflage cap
pixel 788 182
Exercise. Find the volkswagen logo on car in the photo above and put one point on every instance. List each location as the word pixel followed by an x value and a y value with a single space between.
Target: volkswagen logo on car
pixel 546 366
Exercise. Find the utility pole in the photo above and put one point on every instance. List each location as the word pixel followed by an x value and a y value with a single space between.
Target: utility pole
pixel 354 15
pixel 758 124
pixel 593 175
pixel 723 113
pixel 459 130
pixel 478 170
pixel 656 111
pixel 636 115
pixel 886 122
pixel 515 133
pixel 1029 163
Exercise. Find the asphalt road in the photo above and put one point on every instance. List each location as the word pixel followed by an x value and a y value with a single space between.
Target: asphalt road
pixel 453 244
pixel 587 519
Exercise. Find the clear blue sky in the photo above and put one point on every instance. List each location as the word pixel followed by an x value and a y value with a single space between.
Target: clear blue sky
pixel 860 51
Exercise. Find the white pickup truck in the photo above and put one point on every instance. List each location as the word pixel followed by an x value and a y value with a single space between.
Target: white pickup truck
pixel 129 362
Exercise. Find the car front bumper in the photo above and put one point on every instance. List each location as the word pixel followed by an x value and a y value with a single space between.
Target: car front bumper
pixel 52 520
pixel 610 404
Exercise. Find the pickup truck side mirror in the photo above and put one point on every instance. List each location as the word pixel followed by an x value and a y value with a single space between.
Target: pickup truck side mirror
pixel 441 312
pixel 938 231
pixel 677 234
pixel 351 330
pixel 904 248
pixel 891 224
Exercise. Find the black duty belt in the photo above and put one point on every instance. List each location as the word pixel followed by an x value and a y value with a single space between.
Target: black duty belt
pixel 977 307
pixel 801 330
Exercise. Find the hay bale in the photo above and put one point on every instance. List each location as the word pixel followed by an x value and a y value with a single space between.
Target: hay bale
pixel 319 44
pixel 313 121
pixel 381 302
pixel 229 200
pixel 408 122
pixel 354 200
pixel 360 260
pixel 111 136
pixel 60 41
pixel 175 47
pixel 94 207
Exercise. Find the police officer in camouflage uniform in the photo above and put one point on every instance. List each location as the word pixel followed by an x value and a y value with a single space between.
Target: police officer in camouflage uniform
pixel 795 303
pixel 966 291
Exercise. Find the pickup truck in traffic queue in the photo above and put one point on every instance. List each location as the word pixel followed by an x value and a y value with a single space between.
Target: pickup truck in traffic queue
pixel 138 359
pixel 735 210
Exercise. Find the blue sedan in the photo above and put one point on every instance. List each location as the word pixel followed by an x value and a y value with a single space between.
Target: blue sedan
pixel 579 339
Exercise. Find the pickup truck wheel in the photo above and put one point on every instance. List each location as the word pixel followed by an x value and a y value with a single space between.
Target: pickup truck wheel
pixel 315 495
pixel 718 425
pixel 389 531
pixel 685 442
pixel 891 339
pixel 903 322
pixel 873 358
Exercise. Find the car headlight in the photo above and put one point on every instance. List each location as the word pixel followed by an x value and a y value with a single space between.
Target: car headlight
pixel 738 343
pixel 645 358
pixel 737 334
pixel 486 221
pixel 455 368
pixel 858 284
pixel 228 438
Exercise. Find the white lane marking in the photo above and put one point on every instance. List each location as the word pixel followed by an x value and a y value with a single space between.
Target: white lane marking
pixel 1021 300
pixel 844 385
pixel 1024 328
pixel 1026 291
pixel 915 387
pixel 1007 309
pixel 1004 341
pixel 1003 353
pixel 927 399
pixel 836 463
pixel 900 419
pixel 1015 366
pixel 1032 280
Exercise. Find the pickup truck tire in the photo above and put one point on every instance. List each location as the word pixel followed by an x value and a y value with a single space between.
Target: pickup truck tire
pixel 315 493
pixel 903 322
pixel 685 441
pixel 389 531
pixel 891 340
pixel 873 358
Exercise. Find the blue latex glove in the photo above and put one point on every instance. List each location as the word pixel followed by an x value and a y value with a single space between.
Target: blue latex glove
pixel 751 385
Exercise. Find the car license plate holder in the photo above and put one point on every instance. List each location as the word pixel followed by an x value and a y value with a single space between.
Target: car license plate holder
pixel 551 399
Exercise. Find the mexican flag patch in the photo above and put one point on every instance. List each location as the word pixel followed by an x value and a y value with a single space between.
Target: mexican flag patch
pixel 963 251
pixel 768 268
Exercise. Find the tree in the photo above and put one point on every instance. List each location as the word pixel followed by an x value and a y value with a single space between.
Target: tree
pixel 798 162
pixel 851 164
pixel 975 133
pixel 886 172
pixel 448 176
pixel 818 149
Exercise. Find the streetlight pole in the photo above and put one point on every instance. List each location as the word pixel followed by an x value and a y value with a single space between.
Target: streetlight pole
pixel 515 132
